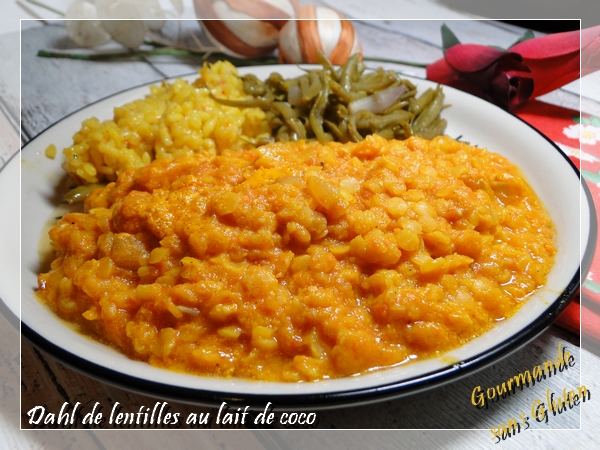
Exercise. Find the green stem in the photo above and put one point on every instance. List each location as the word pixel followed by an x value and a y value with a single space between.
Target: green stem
pixel 43 5
pixel 394 61
pixel 116 56
pixel 170 51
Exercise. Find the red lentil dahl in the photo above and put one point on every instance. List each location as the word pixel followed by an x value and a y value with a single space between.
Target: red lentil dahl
pixel 302 261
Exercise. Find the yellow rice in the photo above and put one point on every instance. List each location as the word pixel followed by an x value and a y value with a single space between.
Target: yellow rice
pixel 175 118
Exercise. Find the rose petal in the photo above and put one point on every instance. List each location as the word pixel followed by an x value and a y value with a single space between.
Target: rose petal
pixel 590 57
pixel 552 73
pixel 548 46
pixel 512 61
pixel 511 88
pixel 588 35
pixel 472 57
pixel 441 72
pixel 512 84
pixel 531 68
pixel 505 82
pixel 471 88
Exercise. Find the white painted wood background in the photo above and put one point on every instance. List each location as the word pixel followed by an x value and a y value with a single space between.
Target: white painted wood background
pixel 439 418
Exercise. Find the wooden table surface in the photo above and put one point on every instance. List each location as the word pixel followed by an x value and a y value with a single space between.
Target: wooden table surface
pixel 439 418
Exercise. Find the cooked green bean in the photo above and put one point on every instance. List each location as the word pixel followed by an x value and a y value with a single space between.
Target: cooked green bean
pixel 80 193
pixel 403 130
pixel 291 119
pixel 283 134
pixel 327 66
pixel 402 104
pixel 260 102
pixel 418 104
pixel 316 104
pixel 335 130
pixel 348 70
pixel 409 94
pixel 316 115
pixel 253 86
pixel 381 80
pixel 303 83
pixel 386 133
pixel 313 89
pixel 431 111
pixel 355 136
pixel 274 81
pixel 358 72
pixel 376 121
pixel 345 95
pixel 435 129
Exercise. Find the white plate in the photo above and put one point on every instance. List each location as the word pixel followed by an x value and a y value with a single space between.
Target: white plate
pixel 548 170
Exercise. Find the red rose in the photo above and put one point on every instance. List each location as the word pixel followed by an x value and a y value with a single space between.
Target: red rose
pixel 529 69
pixel 492 74
pixel 590 50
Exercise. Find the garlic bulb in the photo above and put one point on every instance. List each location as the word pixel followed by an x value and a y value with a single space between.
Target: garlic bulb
pixel 88 32
pixel 129 9
pixel 126 21
pixel 318 28
pixel 232 24
pixel 130 32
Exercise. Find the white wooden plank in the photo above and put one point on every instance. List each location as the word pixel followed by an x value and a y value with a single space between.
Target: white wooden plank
pixel 467 31
pixel 54 88
pixel 590 107
pixel 186 34
pixel 22 9
pixel 12 12
pixel 562 98
pixel 9 387
pixel 404 9
pixel 590 86
pixel 9 73
pixel 422 20
pixel 9 138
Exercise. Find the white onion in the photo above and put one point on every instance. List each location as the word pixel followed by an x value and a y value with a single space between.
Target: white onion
pixel 86 33
pixel 232 24
pixel 379 101
pixel 295 95
pixel 318 29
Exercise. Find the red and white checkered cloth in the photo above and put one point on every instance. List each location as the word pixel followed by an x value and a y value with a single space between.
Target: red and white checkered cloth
pixel 578 135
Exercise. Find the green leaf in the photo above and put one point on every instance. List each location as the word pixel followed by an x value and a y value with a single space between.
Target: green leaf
pixel 526 36
pixel 595 121
pixel 449 39
pixel 594 287
pixel 577 119
pixel 591 176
